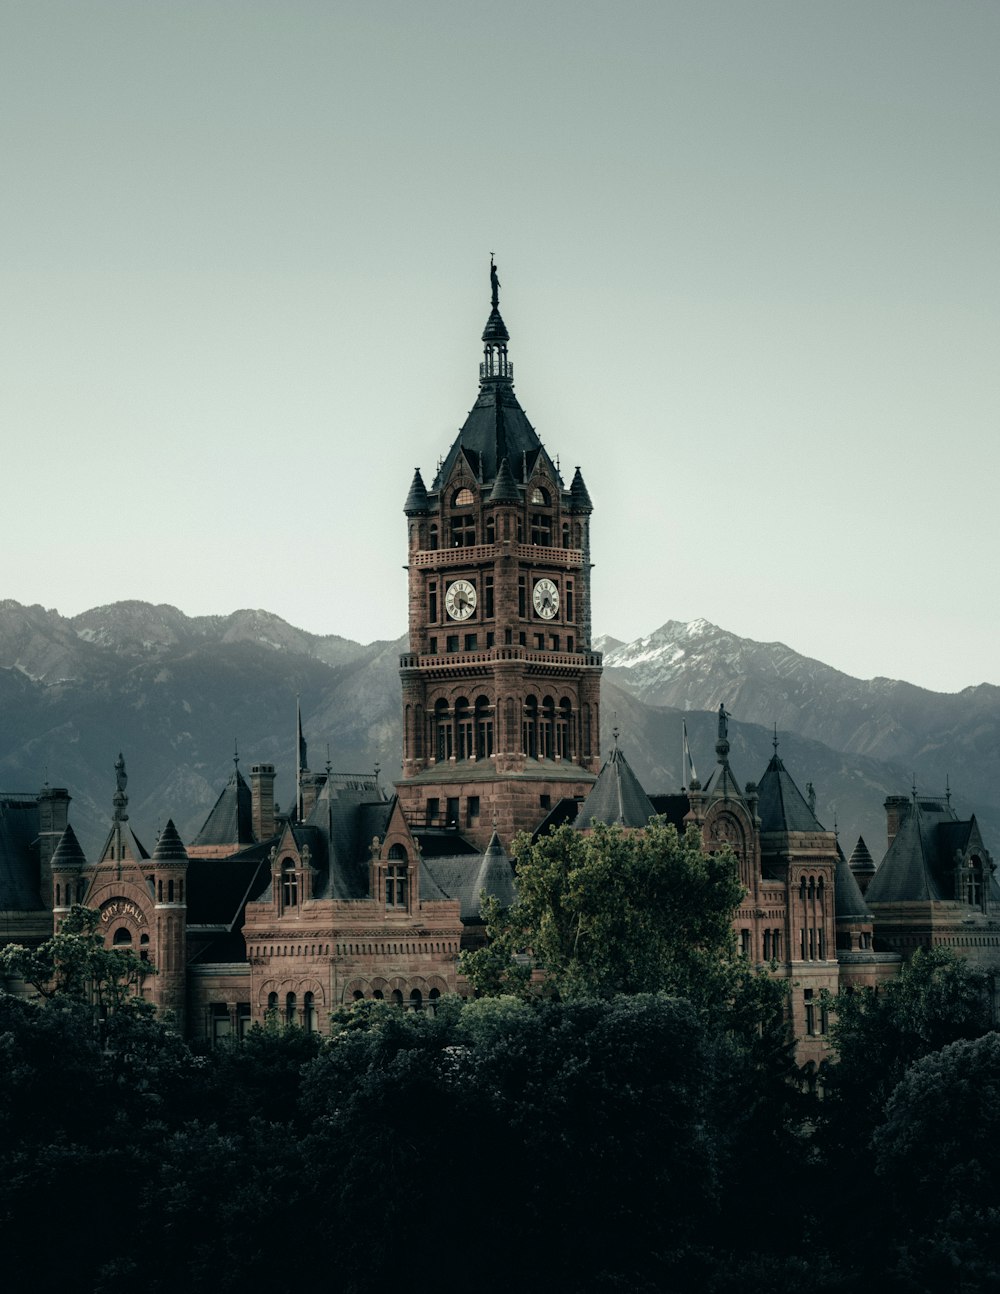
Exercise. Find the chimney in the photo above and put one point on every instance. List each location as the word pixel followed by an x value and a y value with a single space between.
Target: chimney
pixel 262 800
pixel 53 815
pixel 895 811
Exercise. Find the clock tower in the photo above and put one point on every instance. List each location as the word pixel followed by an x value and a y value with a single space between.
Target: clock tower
pixel 501 689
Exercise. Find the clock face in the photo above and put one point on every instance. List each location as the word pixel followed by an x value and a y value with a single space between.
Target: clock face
pixel 545 599
pixel 460 600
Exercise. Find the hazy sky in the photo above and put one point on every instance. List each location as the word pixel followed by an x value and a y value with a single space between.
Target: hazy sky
pixel 750 266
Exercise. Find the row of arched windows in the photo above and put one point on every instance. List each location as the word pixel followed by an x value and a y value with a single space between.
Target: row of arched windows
pixel 541 728
pixel 292 1013
pixel 413 1002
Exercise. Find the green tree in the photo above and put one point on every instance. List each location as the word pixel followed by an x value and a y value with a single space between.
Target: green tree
pixel 936 1000
pixel 935 1156
pixel 614 911
pixel 74 964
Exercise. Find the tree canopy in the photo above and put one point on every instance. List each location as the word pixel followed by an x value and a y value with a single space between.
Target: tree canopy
pixel 614 911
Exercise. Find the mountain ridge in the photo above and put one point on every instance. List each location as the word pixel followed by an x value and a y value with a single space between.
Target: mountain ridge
pixel 176 692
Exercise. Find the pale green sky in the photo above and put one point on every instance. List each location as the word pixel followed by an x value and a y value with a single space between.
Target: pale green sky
pixel 750 267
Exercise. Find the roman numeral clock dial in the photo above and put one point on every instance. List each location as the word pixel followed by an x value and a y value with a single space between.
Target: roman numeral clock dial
pixel 545 599
pixel 460 600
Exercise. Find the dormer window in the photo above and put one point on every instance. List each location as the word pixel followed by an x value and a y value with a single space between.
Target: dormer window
pixel 289 885
pixel 464 498
pixel 539 497
pixel 395 879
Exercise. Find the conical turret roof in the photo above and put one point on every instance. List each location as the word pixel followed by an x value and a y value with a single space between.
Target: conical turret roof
pixel 616 797
pixel 781 805
pixel 578 494
pixel 496 329
pixel 849 903
pixel 169 847
pixel 861 862
pixel 68 852
pixel 496 876
pixel 504 487
pixel 416 500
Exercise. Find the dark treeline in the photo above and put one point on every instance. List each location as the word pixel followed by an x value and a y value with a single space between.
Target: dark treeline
pixel 620 1144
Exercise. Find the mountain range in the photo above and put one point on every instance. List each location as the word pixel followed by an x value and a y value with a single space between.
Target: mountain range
pixel 178 695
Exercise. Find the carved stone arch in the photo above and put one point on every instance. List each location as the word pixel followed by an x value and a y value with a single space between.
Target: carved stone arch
pixel 357 985
pixel 435 981
pixel 399 982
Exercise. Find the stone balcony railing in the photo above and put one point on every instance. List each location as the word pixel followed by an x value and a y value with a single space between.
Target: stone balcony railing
pixel 537 554
pixel 494 655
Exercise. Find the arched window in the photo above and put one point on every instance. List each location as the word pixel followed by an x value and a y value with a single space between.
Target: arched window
pixel 564 729
pixel 309 1013
pixel 357 995
pixel 565 534
pixel 484 728
pixel 395 882
pixel 272 1002
pixel 144 947
pixel 530 727
pixel 539 497
pixel 377 995
pixel 432 535
pixel 416 1000
pixel 463 498
pixel 289 885
pixel 548 733
pixel 442 730
pixel 587 735
pixel 433 997
pixel 396 998
pixel 289 1008
pixel 170 891
pixel 491 529
pixel 463 729
pixel 122 938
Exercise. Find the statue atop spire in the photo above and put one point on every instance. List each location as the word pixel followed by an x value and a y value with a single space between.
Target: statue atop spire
pixel 494 284
pixel 121 781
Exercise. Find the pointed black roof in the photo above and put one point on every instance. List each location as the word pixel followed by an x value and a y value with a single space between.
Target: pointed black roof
pixel 579 497
pixel 231 820
pixel 849 903
pixel 616 796
pixel 496 329
pixel 68 852
pixel 416 500
pixel 504 487
pixel 496 428
pixel 861 862
pixel 781 805
pixel 496 876
pixel 169 847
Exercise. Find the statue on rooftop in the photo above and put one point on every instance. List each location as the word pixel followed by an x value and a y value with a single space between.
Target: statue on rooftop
pixel 494 284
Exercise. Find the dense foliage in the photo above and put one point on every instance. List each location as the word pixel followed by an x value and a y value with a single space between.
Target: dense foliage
pixel 635 1142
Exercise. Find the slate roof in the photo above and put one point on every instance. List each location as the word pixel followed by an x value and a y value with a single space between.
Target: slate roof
pixel 849 903
pixel 349 812
pixel 722 785
pixel 919 863
pixel 231 820
pixel 504 487
pixel 19 890
pixel 616 796
pixel 468 879
pixel 579 497
pixel 780 804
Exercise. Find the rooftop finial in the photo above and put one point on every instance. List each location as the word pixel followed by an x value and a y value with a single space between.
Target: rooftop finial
pixel 121 781
pixel 236 752
pixel 774 742
pixel 913 786
pixel 724 717
pixel 947 789
pixel 494 284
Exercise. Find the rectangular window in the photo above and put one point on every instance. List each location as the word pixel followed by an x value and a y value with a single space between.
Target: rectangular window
pixel 490 638
pixel 453 642
pixel 472 811
pixel 745 943
pixel 569 642
pixel 545 801
pixel 522 638
pixel 471 642
pixel 522 596
pixel 554 642
pixel 488 596
pixel 433 809
pixel 432 646
pixel 451 817
pixel 432 603
pixel 508 637
pixel 540 641
pixel 569 600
